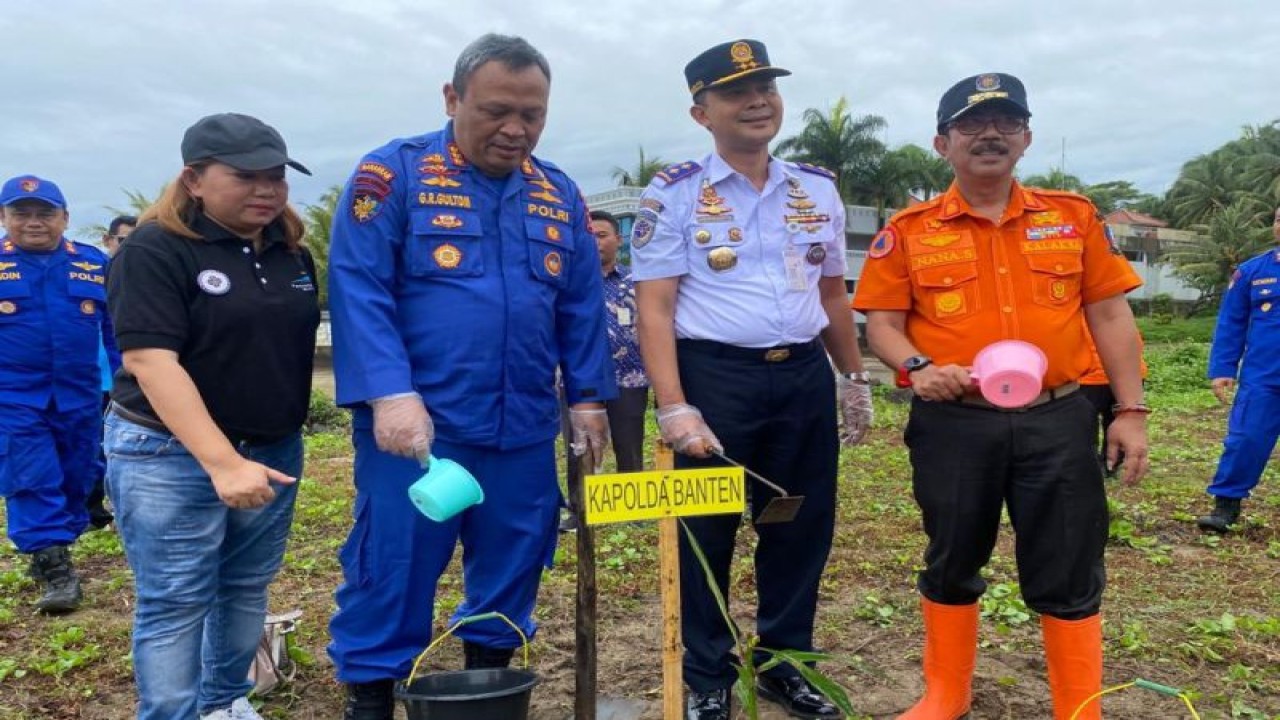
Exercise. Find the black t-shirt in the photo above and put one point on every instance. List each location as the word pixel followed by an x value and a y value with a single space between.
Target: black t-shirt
pixel 243 325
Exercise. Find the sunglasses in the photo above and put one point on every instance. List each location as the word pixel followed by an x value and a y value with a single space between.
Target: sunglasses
pixel 1005 124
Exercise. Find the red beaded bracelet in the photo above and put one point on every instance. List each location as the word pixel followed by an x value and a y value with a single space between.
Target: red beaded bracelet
pixel 1140 408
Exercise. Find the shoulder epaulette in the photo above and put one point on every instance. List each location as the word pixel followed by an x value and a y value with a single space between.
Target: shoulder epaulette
pixel 675 173
pixel 930 204
pixel 1066 194
pixel 816 170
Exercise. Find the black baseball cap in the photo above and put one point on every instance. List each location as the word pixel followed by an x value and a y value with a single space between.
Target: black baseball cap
pixel 987 88
pixel 241 141
pixel 728 62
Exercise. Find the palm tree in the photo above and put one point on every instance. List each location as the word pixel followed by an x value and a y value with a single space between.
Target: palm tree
pixel 319 220
pixel 1209 184
pixel 1114 194
pixel 846 145
pixel 924 172
pixel 1262 166
pixel 1055 179
pixel 136 203
pixel 1231 235
pixel 642 174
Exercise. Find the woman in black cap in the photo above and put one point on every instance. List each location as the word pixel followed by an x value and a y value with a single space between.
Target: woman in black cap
pixel 216 309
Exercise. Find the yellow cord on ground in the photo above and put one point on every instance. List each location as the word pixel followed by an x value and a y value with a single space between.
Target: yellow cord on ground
pixel 1098 695
pixel 524 641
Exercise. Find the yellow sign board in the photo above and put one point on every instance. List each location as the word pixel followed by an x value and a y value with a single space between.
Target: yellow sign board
pixel 624 497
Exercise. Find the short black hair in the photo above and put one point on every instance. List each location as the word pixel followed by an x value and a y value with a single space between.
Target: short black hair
pixel 607 217
pixel 117 221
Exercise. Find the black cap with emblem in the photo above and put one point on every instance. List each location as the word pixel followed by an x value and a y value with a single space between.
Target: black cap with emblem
pixel 728 62
pixel 995 88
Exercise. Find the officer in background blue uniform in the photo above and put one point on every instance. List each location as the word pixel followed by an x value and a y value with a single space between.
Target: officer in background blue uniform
pixel 739 263
pixel 462 275
pixel 1246 343
pixel 52 318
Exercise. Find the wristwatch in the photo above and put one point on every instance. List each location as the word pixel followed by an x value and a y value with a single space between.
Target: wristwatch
pixel 910 365
pixel 861 376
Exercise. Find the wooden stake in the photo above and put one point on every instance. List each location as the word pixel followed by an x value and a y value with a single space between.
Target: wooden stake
pixel 669 581
pixel 584 698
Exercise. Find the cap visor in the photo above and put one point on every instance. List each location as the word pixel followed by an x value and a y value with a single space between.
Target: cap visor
pixel 263 159
pixel 768 72
pixel 6 202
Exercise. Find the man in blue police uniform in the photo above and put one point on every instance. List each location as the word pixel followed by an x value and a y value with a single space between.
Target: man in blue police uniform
pixel 462 275
pixel 739 263
pixel 1246 342
pixel 52 318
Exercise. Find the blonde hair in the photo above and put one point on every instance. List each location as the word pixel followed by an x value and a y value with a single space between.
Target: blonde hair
pixel 175 211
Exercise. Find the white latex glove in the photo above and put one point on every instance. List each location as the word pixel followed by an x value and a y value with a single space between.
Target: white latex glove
pixel 590 434
pixel 855 410
pixel 684 429
pixel 402 426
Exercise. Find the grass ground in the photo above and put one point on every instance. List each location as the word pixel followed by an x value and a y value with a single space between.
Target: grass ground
pixel 1184 609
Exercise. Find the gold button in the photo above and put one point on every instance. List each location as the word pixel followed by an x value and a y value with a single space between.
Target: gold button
pixel 946 281
pixel 1007 309
pixel 1058 268
pixel 1003 271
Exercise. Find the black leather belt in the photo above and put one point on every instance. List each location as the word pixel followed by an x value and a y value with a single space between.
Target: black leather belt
pixel 780 353
pixel 1043 398
pixel 149 423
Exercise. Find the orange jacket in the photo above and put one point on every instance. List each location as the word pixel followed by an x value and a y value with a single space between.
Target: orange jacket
pixel 966 282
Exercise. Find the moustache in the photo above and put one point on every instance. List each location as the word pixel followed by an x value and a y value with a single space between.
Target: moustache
pixel 989 148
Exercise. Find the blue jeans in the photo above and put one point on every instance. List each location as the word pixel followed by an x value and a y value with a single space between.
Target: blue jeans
pixel 201 569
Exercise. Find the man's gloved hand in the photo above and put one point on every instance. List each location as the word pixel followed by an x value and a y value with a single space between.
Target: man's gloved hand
pixel 855 410
pixel 684 429
pixel 590 434
pixel 402 426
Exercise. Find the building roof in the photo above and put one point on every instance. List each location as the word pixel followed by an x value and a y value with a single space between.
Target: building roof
pixel 1133 217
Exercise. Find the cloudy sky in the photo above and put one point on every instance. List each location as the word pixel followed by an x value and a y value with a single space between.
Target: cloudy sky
pixel 97 94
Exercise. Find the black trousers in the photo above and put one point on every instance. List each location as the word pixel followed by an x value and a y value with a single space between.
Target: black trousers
pixel 969 462
pixel 99 515
pixel 1101 397
pixel 779 418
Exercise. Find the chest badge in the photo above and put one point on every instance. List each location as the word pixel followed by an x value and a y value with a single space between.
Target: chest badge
pixel 735 234
pixel 722 259
pixel 553 233
pixel 7 307
pixel 805 217
pixel 447 256
pixel 214 282
pixel 438 175
pixel 702 237
pixel 816 254
pixel 710 205
pixel 87 307
pixel 448 222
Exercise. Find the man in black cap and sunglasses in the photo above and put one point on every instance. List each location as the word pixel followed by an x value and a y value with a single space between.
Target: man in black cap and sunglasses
pixel 990 260
pixel 739 261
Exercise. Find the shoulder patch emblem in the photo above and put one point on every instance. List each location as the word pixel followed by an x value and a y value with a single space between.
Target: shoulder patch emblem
pixel 883 244
pixel 678 172
pixel 816 170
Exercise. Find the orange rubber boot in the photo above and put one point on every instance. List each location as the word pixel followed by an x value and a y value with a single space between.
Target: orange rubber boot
pixel 1073 649
pixel 950 649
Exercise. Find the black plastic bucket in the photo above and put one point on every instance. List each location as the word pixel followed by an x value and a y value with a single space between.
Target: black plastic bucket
pixel 487 694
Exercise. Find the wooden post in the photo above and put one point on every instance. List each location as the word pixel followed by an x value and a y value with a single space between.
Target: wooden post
pixel 669 581
pixel 584 698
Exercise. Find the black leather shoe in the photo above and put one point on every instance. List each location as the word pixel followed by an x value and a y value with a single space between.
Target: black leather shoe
pixel 712 705
pixel 795 696
pixel 370 701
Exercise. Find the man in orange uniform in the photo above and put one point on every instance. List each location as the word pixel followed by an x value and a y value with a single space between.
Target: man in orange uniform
pixel 991 260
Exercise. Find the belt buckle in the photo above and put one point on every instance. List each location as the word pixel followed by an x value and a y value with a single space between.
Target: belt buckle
pixel 777 354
